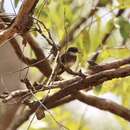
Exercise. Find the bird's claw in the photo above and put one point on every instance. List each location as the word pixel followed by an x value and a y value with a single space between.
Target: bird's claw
pixel 81 74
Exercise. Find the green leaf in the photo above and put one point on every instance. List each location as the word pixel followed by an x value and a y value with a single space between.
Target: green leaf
pixel 16 2
pixel 104 2
pixel 124 28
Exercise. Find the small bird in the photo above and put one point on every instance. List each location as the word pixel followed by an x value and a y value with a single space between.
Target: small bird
pixel 68 59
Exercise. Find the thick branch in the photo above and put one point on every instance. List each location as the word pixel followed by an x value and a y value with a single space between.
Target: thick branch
pixel 100 74
pixel 104 104
pixel 20 54
pixel 23 118
pixel 76 84
pixel 21 22
pixel 43 64
pixel 108 66
pixel 88 82
pixel 64 95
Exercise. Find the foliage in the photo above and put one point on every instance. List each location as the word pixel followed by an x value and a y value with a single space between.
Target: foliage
pixel 16 3
pixel 60 16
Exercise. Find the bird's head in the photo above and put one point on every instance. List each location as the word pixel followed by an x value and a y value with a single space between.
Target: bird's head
pixel 73 50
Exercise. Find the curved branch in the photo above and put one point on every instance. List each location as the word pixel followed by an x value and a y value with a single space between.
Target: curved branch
pixel 22 22
pixel 108 66
pixel 41 62
pixel 44 65
pixel 20 54
pixel 104 104
pixel 88 82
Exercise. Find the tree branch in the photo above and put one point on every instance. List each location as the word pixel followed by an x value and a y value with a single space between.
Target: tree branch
pixel 88 82
pixel 44 65
pixel 41 62
pixel 22 22
pixel 71 86
pixel 20 54
pixel 104 104
pixel 108 66
pixel 25 116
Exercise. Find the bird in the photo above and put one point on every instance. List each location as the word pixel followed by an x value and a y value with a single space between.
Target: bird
pixel 68 59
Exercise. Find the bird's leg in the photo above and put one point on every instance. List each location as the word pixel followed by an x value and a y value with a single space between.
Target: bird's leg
pixel 81 74
pixel 75 73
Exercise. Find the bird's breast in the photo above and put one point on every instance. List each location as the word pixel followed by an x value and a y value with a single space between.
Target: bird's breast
pixel 69 64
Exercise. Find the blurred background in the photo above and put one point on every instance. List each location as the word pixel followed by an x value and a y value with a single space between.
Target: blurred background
pixel 59 17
